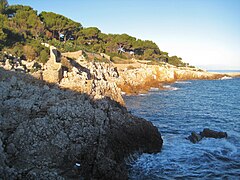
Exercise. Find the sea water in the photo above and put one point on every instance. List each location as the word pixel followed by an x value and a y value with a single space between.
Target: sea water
pixel 178 110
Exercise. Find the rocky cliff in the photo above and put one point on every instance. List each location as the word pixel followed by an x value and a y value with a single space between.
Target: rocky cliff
pixel 140 78
pixel 105 79
pixel 50 133
pixel 96 79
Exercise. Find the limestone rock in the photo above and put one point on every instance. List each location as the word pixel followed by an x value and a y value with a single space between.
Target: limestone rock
pixel 45 131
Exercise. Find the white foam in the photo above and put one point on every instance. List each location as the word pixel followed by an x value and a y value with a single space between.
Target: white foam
pixel 171 88
pixel 142 94
pixel 154 89
pixel 183 82
pixel 225 78
pixel 123 93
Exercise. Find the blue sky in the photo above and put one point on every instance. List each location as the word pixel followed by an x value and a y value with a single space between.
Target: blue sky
pixel 205 33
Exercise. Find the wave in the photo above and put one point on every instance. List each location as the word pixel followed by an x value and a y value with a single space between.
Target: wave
pixel 171 88
pixel 154 89
pixel 143 94
pixel 183 82
pixel 225 78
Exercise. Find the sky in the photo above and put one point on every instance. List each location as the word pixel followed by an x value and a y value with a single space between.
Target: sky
pixel 205 33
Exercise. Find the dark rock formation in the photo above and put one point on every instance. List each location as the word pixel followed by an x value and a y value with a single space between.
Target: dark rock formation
pixel 207 133
pixel 195 137
pixel 49 133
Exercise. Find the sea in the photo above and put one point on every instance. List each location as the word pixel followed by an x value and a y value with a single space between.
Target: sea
pixel 184 107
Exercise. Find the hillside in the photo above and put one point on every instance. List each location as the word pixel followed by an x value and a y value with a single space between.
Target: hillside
pixel 22 30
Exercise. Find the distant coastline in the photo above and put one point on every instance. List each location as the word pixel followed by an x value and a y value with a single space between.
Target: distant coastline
pixel 224 71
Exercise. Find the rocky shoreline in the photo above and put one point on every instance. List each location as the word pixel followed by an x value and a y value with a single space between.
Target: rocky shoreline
pixel 50 133
pixel 67 119
pixel 99 79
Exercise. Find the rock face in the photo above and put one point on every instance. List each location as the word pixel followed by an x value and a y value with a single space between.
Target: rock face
pixel 95 79
pixel 71 70
pixel 141 79
pixel 49 133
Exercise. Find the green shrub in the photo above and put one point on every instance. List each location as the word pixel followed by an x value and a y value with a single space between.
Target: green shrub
pixel 43 57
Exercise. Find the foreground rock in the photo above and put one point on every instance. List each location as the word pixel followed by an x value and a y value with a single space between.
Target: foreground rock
pixel 49 133
pixel 207 133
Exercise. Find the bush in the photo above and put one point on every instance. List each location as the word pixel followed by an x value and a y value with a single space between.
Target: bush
pixel 29 52
pixel 43 57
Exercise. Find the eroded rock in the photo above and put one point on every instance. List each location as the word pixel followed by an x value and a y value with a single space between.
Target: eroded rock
pixel 45 131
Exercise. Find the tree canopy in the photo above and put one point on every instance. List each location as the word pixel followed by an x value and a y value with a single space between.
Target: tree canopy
pixel 59 24
pixel 25 21
pixel 3 6
pixel 22 29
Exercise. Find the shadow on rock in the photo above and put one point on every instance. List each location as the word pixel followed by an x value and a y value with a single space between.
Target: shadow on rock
pixel 51 133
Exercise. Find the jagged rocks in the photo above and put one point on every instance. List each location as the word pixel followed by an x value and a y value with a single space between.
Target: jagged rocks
pixel 45 131
pixel 95 79
pixel 206 133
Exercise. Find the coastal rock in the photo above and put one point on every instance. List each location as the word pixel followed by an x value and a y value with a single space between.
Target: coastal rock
pixel 95 79
pixel 206 133
pixel 195 137
pixel 46 131
pixel 141 79
pixel 189 74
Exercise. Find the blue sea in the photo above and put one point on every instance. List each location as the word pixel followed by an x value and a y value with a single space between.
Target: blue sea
pixel 183 107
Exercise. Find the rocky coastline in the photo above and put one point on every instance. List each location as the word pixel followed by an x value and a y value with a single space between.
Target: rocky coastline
pixel 67 119
pixel 106 79
pixel 51 133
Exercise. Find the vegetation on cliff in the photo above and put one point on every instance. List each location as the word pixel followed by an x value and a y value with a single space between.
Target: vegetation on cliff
pixel 22 30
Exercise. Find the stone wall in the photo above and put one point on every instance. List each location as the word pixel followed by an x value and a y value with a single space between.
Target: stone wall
pixel 73 55
pixel 53 72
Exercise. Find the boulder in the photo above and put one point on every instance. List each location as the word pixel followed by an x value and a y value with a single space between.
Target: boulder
pixel 206 133
pixel 194 137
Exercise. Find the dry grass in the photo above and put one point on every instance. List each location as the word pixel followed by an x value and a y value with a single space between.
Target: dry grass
pixel 118 60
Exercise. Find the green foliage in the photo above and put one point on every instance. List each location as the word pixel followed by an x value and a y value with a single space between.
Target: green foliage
pixel 90 33
pixel 18 50
pixel 25 21
pixel 176 61
pixel 43 56
pixel 3 6
pixel 3 35
pixel 58 24
pixel 22 30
